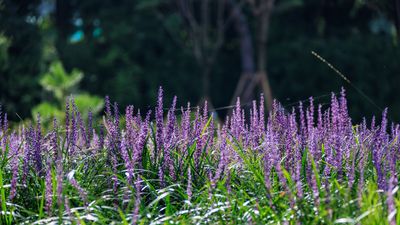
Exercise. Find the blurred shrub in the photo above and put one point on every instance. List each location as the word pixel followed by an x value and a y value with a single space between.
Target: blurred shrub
pixel 4 45
pixel 63 85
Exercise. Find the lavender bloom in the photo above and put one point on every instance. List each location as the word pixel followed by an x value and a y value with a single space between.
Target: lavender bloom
pixel 336 135
pixel 310 116
pixel 81 191
pixel 185 134
pixel 262 115
pixel 211 133
pixel 351 172
pixel 237 123
pixel 297 178
pixel 82 130
pixel 100 144
pixel 228 181
pixel 161 176
pixel 1 119
pixel 67 121
pixel 303 128
pixel 108 106
pixel 114 163
pixel 254 126
pixel 159 121
pixel 5 129
pixel 379 150
pixel 14 145
pixel 196 136
pixel 141 141
pixel 390 202
pixel 49 190
pixel 135 215
pixel 314 188
pixel 212 186
pixel 169 139
pixel 189 185
pixel 53 141
pixel 116 124
pixel 320 122
pixel 270 154
pixel 223 161
pixel 129 127
pixel 28 152
pixel 90 126
pixel 68 209
pixel 170 128
pixel 284 185
pixel 127 160
pixel 60 179
pixel 73 131
pixel 38 147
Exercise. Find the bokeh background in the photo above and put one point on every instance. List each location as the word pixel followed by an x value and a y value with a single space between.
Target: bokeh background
pixel 197 49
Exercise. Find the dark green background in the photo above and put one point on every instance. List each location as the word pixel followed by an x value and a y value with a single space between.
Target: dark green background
pixel 131 47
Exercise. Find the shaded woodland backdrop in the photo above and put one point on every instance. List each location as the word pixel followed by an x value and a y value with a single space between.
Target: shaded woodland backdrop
pixel 197 49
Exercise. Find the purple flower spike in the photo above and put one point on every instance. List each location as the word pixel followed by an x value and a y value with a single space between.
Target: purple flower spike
pixel 49 190
pixel 90 125
pixel 116 125
pixel 127 160
pixel 14 145
pixel 81 191
pixel 303 128
pixel 189 185
pixel 391 202
pixel 170 124
pixel 60 179
pixel 67 121
pixel 159 121
pixel 73 130
pixel 1 119
pixel 262 115
pixel 141 141
pixel 28 152
pixel 5 129
pixel 38 147
pixel 108 106
pixel 161 176
pixel 82 129
pixel 53 141
pixel 138 187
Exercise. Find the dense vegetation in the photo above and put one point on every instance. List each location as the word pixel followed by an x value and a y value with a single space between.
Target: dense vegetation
pixel 306 165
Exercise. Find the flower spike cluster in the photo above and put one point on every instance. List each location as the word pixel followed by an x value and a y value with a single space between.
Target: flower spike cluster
pixel 300 151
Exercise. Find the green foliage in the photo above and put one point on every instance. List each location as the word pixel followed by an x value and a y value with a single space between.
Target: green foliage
pixel 59 82
pixel 63 85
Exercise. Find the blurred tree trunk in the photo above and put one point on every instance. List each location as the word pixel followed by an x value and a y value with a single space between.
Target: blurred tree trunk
pixel 397 17
pixel 206 29
pixel 263 15
pixel 62 17
pixel 246 50
pixel 250 78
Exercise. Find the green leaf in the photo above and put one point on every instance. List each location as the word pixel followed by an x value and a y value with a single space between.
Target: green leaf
pixel 58 81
